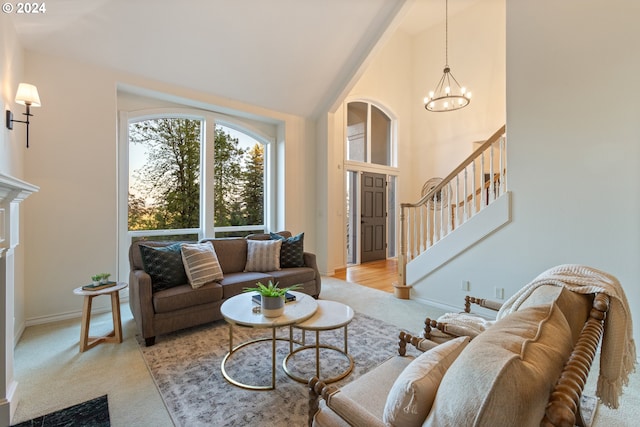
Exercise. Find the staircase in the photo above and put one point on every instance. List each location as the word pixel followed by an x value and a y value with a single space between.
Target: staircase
pixel 479 182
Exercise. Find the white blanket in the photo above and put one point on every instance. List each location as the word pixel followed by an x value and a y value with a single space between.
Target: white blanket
pixel 618 352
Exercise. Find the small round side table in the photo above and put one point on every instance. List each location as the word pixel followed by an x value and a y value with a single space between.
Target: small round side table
pixel 115 336
pixel 329 315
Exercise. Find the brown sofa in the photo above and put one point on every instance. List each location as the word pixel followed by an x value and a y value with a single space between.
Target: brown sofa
pixel 180 307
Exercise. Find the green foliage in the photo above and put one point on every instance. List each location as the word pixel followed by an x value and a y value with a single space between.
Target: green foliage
pixel 271 290
pixel 171 177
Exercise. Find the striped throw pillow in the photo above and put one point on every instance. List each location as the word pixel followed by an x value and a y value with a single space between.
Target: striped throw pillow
pixel 263 255
pixel 201 263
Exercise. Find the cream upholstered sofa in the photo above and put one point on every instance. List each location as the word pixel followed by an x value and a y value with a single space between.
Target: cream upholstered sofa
pixel 527 369
pixel 159 309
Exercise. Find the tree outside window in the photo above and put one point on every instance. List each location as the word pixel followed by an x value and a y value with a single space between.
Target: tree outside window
pixel 165 187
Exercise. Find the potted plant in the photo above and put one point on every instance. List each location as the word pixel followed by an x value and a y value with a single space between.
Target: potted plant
pixel 104 277
pixel 95 280
pixel 272 297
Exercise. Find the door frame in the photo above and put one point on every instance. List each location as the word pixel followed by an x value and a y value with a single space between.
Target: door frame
pixel 359 169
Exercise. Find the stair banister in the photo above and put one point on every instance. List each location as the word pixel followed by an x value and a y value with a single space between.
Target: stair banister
pixel 427 227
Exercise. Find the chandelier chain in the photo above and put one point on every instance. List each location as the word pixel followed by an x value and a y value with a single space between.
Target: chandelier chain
pixel 446 33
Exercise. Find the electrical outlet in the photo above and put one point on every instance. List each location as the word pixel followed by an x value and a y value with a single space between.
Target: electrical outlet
pixel 499 292
pixel 466 286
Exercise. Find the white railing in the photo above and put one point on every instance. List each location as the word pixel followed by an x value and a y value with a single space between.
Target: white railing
pixel 473 185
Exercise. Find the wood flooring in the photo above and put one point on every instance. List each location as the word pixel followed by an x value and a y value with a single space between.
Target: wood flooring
pixel 375 274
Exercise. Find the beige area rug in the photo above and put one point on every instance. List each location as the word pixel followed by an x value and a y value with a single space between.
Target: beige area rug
pixel 186 368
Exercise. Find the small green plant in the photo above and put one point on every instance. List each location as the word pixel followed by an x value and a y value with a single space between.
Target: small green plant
pixel 271 290
pixel 101 277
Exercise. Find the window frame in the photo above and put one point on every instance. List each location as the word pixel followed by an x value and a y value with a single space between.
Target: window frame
pixel 207 226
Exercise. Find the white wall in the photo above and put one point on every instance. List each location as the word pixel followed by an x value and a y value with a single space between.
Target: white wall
pixel 574 154
pixel 398 76
pixel 477 59
pixel 72 222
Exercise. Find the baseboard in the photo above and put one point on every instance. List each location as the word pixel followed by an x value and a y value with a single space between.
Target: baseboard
pixel 69 315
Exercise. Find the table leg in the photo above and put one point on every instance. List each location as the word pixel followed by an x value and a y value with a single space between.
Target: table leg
pixel 86 319
pixel 273 358
pixel 318 353
pixel 115 314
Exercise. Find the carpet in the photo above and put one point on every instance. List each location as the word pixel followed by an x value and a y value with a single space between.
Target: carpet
pixel 185 366
pixel 92 413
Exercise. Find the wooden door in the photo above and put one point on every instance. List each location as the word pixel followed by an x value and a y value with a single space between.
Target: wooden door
pixel 373 217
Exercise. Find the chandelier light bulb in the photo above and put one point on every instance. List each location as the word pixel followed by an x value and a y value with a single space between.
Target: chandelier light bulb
pixel 426 99
pixel 447 90
pixel 431 95
pixel 463 90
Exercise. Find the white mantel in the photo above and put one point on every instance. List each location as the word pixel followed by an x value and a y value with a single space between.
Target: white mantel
pixel 12 192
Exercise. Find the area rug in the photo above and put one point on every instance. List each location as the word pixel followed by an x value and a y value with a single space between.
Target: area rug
pixel 185 366
pixel 94 413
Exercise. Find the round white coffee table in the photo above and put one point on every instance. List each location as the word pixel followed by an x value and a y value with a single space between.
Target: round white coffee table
pixel 239 310
pixel 330 315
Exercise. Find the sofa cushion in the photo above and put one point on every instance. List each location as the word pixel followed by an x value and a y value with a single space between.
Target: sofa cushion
pixel 234 283
pixel 410 399
pixel 292 276
pixel 164 265
pixel 184 296
pixel 292 250
pixel 506 374
pixel 574 306
pixel 201 263
pixel 369 393
pixel 263 255
pixel 231 252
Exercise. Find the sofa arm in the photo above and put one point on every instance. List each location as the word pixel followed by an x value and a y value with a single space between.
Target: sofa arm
pixel 339 403
pixel 310 261
pixel 141 301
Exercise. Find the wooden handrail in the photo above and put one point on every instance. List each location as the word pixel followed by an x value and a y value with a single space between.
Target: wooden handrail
pixel 494 138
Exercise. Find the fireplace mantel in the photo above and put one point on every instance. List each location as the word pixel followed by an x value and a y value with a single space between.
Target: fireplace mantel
pixel 12 192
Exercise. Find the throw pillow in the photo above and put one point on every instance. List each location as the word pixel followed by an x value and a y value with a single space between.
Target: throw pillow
pixel 292 250
pixel 412 394
pixel 263 255
pixel 201 263
pixel 164 265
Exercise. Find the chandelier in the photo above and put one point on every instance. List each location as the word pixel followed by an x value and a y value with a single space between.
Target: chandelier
pixel 448 94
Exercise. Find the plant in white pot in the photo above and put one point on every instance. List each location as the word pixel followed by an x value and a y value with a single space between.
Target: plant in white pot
pixel 272 297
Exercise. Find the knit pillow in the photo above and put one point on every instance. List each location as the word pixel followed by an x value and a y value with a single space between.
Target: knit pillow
pixel 410 399
pixel 201 263
pixel 263 255
pixel 164 265
pixel 292 250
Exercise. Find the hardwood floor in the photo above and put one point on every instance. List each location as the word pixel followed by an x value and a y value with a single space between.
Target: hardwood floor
pixel 376 274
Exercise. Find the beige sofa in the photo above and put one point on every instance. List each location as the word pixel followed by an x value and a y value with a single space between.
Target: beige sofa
pixel 178 307
pixel 527 369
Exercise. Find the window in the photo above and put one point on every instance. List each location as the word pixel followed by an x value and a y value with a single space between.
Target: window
pixel 192 176
pixel 369 134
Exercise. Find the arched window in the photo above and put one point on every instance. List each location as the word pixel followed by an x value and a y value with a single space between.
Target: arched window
pixel 369 134
pixel 191 175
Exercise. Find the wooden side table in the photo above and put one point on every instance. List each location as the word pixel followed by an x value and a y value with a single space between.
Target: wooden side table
pixel 115 336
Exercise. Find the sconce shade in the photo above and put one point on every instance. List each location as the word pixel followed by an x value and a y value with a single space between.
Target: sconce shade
pixel 27 95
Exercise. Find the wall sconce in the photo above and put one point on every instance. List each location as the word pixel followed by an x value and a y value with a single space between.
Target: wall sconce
pixel 28 96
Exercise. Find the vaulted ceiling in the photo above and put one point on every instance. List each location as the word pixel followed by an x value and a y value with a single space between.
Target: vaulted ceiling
pixel 293 56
